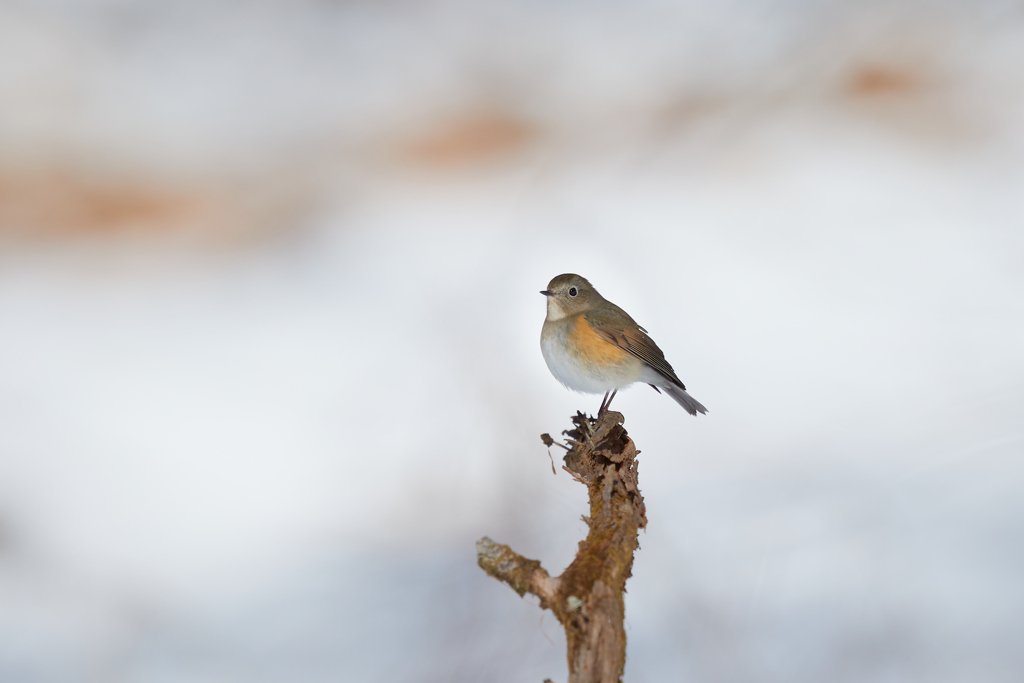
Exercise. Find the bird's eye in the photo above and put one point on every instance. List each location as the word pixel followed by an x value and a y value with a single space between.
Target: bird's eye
pixel 572 291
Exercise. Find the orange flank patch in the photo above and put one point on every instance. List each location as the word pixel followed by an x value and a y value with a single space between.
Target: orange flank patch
pixel 593 348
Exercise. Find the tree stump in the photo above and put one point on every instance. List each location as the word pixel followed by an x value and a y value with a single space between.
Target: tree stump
pixel 587 598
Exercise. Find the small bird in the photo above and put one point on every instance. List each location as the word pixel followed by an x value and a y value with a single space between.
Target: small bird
pixel 593 346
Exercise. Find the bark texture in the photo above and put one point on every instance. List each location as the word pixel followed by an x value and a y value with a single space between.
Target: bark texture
pixel 587 598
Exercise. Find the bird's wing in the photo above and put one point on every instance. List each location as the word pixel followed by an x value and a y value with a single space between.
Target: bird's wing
pixel 618 328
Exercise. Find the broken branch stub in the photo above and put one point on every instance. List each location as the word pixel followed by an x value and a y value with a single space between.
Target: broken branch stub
pixel 587 598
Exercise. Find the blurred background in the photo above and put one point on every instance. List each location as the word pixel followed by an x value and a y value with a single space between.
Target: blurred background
pixel 269 324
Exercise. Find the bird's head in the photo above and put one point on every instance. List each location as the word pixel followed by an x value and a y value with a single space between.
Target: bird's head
pixel 569 294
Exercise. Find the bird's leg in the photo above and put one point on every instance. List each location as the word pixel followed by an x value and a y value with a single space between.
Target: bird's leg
pixel 608 403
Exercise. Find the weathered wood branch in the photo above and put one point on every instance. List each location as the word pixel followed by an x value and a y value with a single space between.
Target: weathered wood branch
pixel 587 598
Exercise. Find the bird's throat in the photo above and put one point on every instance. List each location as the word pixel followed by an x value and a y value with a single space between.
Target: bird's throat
pixel 555 311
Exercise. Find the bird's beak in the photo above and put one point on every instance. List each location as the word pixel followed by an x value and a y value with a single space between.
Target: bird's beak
pixel 546 292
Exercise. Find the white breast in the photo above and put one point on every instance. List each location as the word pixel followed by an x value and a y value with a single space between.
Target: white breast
pixel 565 364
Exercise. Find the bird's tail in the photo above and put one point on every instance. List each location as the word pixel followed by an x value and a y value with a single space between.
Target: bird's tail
pixel 689 403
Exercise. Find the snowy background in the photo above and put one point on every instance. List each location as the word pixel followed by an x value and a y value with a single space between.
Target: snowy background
pixel 269 324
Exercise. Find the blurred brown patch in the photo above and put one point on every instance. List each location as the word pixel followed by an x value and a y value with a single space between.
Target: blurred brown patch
pixel 56 202
pixel 63 204
pixel 873 81
pixel 913 99
pixel 685 110
pixel 470 139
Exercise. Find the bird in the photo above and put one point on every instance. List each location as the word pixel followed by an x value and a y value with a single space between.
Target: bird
pixel 592 346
